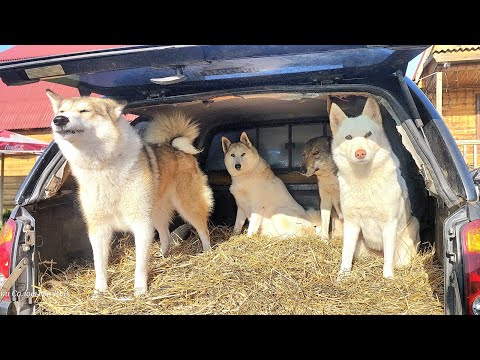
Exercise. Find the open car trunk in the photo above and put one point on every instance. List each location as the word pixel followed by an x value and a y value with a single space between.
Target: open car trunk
pixel 278 123
pixel 279 95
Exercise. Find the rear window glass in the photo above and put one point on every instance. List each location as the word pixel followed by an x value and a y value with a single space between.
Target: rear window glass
pixel 215 152
pixel 280 146
pixel 300 135
pixel 273 145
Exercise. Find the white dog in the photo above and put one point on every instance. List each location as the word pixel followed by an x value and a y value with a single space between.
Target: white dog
pixel 261 197
pixel 373 194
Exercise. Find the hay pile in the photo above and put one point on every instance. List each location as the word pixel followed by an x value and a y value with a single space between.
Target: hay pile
pixel 247 276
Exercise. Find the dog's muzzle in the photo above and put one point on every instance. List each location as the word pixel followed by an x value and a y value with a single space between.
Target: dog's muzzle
pixel 60 120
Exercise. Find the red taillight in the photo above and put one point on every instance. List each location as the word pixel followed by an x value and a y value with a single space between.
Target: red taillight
pixel 471 263
pixel 6 238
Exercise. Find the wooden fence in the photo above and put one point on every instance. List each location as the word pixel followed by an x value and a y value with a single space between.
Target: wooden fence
pixel 470 152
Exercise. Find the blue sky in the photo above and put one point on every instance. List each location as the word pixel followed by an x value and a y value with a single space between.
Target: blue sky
pixel 5 47
pixel 411 66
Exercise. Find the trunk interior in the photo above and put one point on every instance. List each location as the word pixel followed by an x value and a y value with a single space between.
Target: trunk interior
pixel 278 124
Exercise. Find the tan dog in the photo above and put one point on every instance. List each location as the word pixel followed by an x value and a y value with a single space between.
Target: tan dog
pixel 127 185
pixel 317 159
pixel 261 197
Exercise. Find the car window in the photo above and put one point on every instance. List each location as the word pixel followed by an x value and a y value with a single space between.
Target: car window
pixel 280 146
pixel 273 142
pixel 300 135
pixel 215 159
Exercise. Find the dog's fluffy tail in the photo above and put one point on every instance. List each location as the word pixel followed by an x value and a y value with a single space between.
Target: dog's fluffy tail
pixel 176 129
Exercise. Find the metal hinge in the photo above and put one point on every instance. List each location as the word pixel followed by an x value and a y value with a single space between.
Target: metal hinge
pixel 452 233
pixel 152 96
pixel 328 81
pixel 156 95
pixel 451 256
pixel 29 237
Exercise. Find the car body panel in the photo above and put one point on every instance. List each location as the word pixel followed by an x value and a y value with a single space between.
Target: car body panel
pixel 127 72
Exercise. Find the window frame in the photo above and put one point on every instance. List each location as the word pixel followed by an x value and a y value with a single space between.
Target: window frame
pixel 271 124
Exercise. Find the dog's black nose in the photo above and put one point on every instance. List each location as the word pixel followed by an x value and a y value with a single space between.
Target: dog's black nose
pixel 238 166
pixel 60 120
pixel 303 170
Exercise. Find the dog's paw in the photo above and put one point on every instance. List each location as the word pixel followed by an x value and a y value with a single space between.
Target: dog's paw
pixel 324 239
pixel 139 291
pixel 343 274
pixel 164 252
pixel 206 247
pixel 98 294
pixel 388 273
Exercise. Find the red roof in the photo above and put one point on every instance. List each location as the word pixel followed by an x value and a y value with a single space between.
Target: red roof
pixel 21 52
pixel 27 106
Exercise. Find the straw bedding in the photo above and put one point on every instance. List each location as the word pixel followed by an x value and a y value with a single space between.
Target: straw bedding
pixel 246 276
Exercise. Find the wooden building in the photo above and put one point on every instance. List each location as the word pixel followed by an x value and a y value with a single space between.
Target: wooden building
pixel 25 110
pixel 450 77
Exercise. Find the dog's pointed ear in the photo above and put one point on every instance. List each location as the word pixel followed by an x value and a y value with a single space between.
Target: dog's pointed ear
pixel 55 99
pixel 244 139
pixel 336 117
pixel 118 108
pixel 225 144
pixel 372 110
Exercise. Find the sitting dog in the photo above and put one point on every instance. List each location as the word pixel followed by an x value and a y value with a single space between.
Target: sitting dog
pixel 317 159
pixel 373 193
pixel 261 197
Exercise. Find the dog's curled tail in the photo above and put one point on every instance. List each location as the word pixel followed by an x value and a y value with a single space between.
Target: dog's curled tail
pixel 314 217
pixel 176 129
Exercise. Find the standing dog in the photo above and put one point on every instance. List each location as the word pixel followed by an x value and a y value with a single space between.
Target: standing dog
pixel 373 193
pixel 261 197
pixel 127 185
pixel 317 159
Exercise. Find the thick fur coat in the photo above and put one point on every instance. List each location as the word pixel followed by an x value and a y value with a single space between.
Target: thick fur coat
pixel 373 194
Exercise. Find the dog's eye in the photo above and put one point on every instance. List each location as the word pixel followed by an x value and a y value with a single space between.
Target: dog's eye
pixel 368 134
pixel 232 155
pixel 316 153
pixel 348 137
pixel 242 154
pixel 84 111
pixel 61 111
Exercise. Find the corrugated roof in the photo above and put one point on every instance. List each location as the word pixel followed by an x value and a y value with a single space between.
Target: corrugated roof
pixel 428 55
pixel 27 106
pixel 22 52
pixel 454 48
